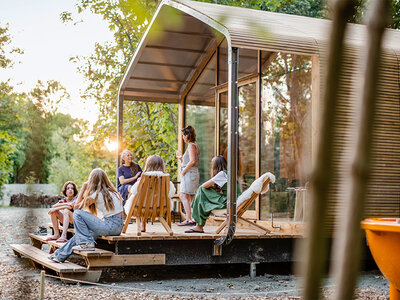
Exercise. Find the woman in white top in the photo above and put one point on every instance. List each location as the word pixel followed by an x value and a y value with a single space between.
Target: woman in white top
pixel 154 166
pixel 98 196
pixel 211 195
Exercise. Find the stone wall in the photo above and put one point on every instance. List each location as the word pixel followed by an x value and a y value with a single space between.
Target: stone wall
pixel 26 189
pixel 21 200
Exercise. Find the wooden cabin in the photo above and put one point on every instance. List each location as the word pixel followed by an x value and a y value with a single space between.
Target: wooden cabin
pixel 250 82
pixel 213 56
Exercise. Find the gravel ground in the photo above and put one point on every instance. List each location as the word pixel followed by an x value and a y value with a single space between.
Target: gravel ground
pixel 19 280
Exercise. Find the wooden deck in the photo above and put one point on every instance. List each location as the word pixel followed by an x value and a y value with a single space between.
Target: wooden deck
pixel 157 247
pixel 157 232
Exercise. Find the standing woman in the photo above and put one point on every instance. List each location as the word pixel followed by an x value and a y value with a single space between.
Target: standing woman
pixel 128 173
pixel 98 195
pixel 190 173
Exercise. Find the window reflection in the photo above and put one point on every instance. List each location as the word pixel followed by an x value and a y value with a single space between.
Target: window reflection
pixel 200 113
pixel 285 130
pixel 247 133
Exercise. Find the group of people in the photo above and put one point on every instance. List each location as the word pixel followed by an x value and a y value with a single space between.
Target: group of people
pixel 99 207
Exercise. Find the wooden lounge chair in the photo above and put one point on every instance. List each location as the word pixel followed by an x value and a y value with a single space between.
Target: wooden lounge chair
pixel 245 200
pixel 151 202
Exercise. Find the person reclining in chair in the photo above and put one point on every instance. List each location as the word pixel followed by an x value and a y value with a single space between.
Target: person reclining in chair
pixel 211 195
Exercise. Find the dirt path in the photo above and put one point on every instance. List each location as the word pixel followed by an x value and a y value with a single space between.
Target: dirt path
pixel 18 280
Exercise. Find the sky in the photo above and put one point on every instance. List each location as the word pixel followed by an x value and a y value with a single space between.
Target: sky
pixel 35 26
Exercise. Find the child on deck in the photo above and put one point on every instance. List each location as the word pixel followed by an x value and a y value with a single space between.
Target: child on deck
pixel 211 195
pixel 97 195
pixel 62 211
pixel 154 166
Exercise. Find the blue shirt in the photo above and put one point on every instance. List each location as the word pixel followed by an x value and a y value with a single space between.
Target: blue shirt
pixel 127 173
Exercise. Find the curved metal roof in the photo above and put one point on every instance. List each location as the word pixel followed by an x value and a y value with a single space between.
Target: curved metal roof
pixel 183 33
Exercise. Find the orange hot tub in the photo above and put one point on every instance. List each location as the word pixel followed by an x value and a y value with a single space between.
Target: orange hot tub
pixel 383 237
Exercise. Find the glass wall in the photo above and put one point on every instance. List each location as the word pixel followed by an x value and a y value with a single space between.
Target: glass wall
pixel 247 135
pixel 285 131
pixel 200 113
pixel 247 132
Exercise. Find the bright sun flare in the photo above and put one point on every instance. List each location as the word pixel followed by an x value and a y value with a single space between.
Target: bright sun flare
pixel 111 145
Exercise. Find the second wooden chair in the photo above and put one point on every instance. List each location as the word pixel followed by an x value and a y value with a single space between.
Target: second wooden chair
pixel 151 202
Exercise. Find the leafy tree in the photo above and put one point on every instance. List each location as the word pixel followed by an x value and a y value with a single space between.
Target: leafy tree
pixel 10 118
pixel 149 128
pixel 38 114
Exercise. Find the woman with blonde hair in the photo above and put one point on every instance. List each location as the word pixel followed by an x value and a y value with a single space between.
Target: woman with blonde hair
pixel 97 196
pixel 154 166
pixel 128 173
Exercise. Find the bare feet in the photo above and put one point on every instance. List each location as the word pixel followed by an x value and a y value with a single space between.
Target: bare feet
pixel 53 238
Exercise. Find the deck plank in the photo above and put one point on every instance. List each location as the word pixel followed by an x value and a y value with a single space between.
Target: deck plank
pixel 40 257
pixel 96 253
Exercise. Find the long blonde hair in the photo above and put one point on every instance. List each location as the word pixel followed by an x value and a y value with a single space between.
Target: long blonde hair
pixel 154 163
pixel 98 182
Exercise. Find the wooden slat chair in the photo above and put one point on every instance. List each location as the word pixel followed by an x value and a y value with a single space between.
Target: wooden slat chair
pixel 151 202
pixel 245 200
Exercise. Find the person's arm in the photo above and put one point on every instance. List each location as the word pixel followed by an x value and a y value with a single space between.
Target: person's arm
pixel 219 180
pixel 124 180
pixel 192 159
pixel 60 207
pixel 57 205
pixel 79 201
pixel 208 184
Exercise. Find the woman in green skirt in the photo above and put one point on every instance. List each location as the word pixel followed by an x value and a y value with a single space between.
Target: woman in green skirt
pixel 211 195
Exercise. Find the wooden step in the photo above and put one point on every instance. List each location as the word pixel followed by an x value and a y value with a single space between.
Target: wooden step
pixel 40 257
pixel 96 253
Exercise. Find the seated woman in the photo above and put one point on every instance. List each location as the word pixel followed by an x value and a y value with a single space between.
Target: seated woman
pixel 211 195
pixel 98 195
pixel 62 211
pixel 128 173
pixel 154 166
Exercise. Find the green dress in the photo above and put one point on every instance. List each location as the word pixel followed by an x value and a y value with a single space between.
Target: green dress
pixel 207 200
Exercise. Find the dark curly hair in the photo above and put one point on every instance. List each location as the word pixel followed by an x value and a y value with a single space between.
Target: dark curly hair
pixel 190 133
pixel 64 188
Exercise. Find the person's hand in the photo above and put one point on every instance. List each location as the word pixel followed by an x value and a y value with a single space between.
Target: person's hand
pixel 178 155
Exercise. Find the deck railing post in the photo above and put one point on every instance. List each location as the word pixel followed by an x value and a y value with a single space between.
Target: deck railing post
pixel 233 141
pixel 347 247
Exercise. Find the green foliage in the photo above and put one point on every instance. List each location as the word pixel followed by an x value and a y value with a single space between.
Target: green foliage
pixel 309 8
pixel 149 128
pixel 10 118
pixel 37 120
pixel 5 52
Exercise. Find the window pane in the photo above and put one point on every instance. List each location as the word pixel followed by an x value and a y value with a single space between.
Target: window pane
pixel 202 118
pixel 285 131
pixel 223 123
pixel 247 133
pixel 200 113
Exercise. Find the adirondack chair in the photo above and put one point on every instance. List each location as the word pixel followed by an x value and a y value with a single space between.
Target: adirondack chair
pixel 245 200
pixel 151 202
